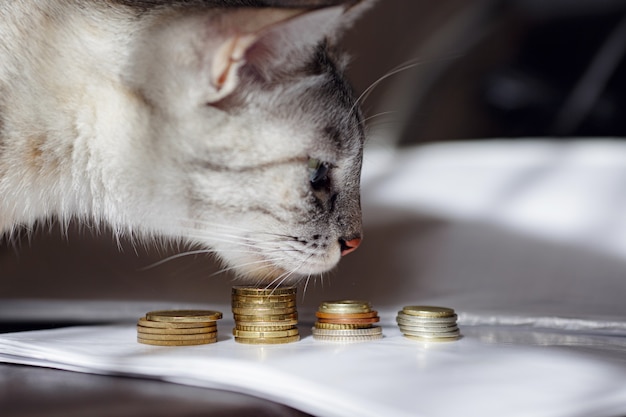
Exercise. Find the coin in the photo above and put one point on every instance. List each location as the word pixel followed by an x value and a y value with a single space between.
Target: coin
pixel 262 311
pixel 198 336
pixel 374 330
pixel 184 316
pixel 196 330
pixel 265 334
pixel 324 315
pixel 345 306
pixel 418 333
pixel 265 317
pixel 342 326
pixel 264 299
pixel 348 339
pixel 425 322
pixel 176 342
pixel 281 323
pixel 267 341
pixel 349 321
pixel 165 325
pixel 428 311
pixel 265 291
pixel 428 323
pixel 432 339
pixel 272 327
pixel 428 329
pixel 405 318
pixel 268 305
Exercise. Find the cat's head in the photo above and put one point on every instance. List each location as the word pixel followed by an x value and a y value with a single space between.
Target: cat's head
pixel 259 136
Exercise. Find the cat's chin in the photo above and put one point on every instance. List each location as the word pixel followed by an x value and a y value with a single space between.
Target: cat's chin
pixel 272 274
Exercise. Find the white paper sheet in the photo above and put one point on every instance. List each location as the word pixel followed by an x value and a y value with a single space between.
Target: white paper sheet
pixel 491 371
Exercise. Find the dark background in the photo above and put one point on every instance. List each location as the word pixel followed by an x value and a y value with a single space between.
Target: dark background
pixel 481 69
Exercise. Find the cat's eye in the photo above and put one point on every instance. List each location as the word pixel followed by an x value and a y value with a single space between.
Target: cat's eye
pixel 318 174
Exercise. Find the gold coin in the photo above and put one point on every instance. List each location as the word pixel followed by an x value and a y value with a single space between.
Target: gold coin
pixel 350 321
pixel 267 341
pixel 176 342
pixel 200 336
pixel 372 331
pixel 264 299
pixel 165 325
pixel 289 322
pixel 368 315
pixel 269 328
pixel 237 304
pixel 345 306
pixel 196 330
pixel 335 326
pixel 428 311
pixel 265 291
pixel 186 316
pixel 348 339
pixel 265 334
pixel 432 339
pixel 265 317
pixel 259 311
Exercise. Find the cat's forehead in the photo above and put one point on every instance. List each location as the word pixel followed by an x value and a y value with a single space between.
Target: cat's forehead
pixel 315 96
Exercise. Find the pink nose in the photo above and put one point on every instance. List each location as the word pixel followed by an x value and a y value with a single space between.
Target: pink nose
pixel 349 246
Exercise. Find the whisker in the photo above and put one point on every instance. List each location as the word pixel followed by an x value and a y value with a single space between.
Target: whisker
pixel 241 265
pixel 242 242
pixel 176 256
pixel 222 226
pixel 391 73
pixel 306 285
pixel 283 277
pixel 384 113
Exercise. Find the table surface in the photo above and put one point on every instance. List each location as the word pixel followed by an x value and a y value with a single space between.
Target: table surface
pixel 27 391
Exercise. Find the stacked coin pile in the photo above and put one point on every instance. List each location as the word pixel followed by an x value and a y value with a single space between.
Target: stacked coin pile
pixel 265 315
pixel 178 327
pixel 346 321
pixel 428 323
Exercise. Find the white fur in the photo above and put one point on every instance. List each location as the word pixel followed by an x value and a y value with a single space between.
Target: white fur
pixel 119 109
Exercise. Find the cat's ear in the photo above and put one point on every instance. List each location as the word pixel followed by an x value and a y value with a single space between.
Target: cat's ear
pixel 272 38
pixel 239 33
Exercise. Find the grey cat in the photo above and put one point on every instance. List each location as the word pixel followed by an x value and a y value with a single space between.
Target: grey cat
pixel 225 124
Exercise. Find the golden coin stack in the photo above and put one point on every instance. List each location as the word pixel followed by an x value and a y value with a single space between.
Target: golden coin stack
pixel 428 323
pixel 265 315
pixel 178 327
pixel 346 321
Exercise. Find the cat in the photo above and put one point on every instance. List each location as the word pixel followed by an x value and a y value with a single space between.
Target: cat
pixel 224 124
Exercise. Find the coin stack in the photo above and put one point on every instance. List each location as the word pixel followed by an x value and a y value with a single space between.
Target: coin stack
pixel 178 327
pixel 346 321
pixel 265 315
pixel 428 323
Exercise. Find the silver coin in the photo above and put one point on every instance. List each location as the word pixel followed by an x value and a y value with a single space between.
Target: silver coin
pixel 454 333
pixel 432 339
pixel 428 329
pixel 405 318
pixel 374 330
pixel 427 325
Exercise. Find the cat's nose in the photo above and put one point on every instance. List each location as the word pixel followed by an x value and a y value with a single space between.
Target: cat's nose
pixel 348 246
